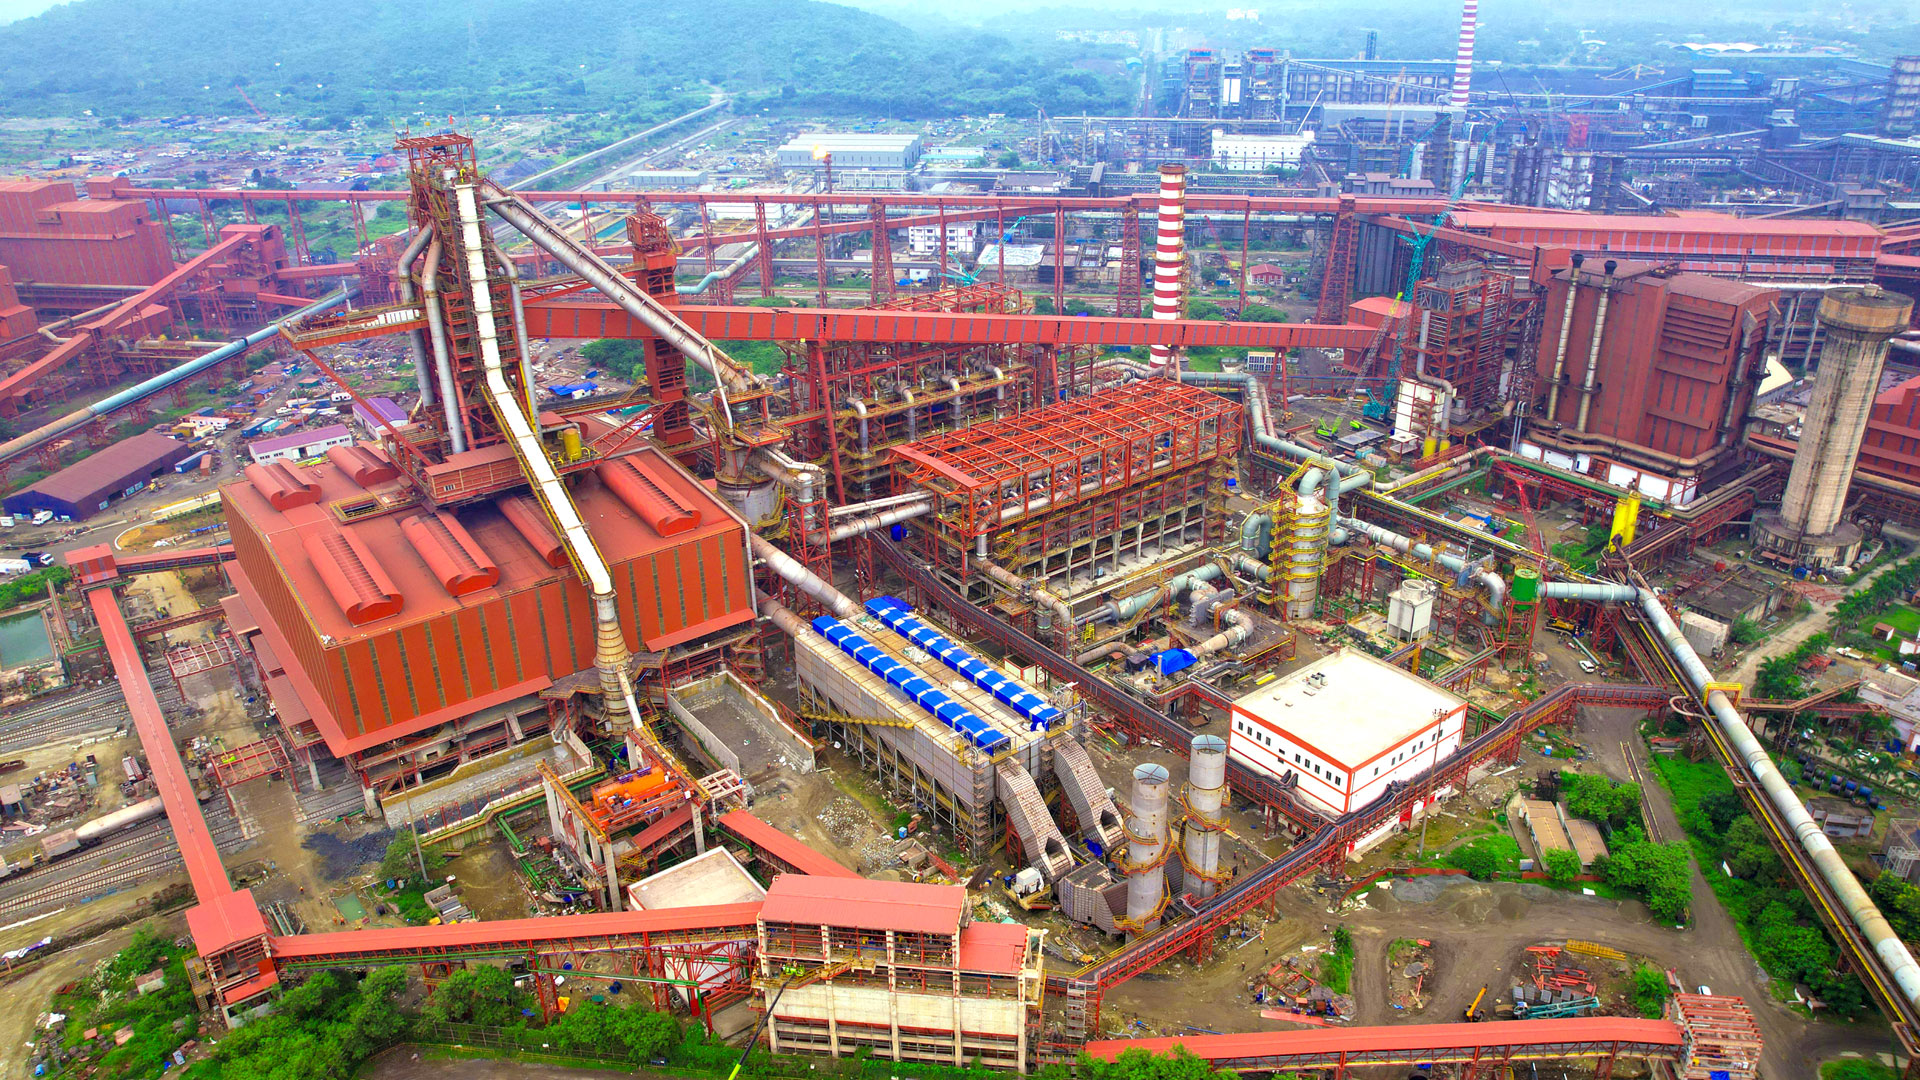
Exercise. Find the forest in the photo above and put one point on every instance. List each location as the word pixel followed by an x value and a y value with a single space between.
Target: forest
pixel 133 59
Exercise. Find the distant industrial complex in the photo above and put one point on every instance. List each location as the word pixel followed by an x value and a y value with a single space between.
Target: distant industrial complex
pixel 1137 617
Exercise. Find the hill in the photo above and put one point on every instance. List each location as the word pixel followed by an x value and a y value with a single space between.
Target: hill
pixel 378 58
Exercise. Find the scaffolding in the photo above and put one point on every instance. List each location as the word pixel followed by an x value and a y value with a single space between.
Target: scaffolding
pixel 1463 318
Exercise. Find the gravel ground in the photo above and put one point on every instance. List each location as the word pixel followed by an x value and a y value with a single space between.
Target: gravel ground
pixel 339 857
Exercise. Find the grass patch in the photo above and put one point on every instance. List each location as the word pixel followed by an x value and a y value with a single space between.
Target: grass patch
pixel 1336 967
pixel 1901 617
pixel 108 1001
pixel 1857 1069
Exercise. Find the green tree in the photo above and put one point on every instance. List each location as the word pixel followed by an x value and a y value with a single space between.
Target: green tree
pixel 1181 1064
pixel 477 995
pixel 1008 160
pixel 1561 864
pixel 1649 991
pixel 1748 854
pixel 624 357
pixel 1263 313
pixel 1778 679
pixel 375 1018
pixel 1745 632
pixel 1659 872
pixel 1204 309
pixel 400 863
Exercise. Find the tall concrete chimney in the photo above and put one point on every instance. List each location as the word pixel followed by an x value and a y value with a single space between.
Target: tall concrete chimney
pixel 1463 54
pixel 1147 847
pixel 1206 795
pixel 1170 261
pixel 1859 322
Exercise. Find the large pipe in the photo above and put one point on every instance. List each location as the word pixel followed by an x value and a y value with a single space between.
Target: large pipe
pixel 416 339
pixel 1605 592
pixel 803 477
pixel 1125 608
pixel 794 573
pixel 1566 329
pixel 1593 350
pixel 1169 261
pixel 1496 588
pixel 79 418
pixel 1054 602
pixel 520 336
pixel 879 519
pixel 610 642
pixel 913 427
pixel 629 297
pixel 1206 795
pixel 442 353
pixel 1813 840
pixel 1239 629
pixel 860 410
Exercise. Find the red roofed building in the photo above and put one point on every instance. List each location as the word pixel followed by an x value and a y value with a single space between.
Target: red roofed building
pixel 899 968
pixel 410 639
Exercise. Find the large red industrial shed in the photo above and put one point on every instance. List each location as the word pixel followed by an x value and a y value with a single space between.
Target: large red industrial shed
pixel 47 236
pixel 392 617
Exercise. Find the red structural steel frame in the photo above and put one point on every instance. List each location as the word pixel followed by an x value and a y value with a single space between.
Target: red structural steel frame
pixel 1120 434
pixel 568 318
pixel 1475 1047
pixel 209 877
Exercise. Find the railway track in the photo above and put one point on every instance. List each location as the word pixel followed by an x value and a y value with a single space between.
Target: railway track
pixel 125 860
pixel 1639 776
pixel 102 708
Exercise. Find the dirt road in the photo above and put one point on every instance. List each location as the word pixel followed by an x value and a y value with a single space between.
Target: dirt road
pixel 1785 641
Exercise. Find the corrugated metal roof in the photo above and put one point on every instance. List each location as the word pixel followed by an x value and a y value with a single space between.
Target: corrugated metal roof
pixel 764 837
pixel 1701 223
pixel 992 947
pixel 416 939
pixel 299 438
pixel 110 470
pixel 860 904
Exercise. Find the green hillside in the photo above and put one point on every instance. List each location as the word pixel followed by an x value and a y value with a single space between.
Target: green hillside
pixel 378 58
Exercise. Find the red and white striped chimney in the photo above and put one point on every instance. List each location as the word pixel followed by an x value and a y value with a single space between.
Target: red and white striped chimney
pixel 1463 56
pixel 1170 260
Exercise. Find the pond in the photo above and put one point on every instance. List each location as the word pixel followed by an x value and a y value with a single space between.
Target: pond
pixel 24 640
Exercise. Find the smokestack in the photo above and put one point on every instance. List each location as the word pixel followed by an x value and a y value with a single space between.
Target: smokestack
pixel 1147 848
pixel 1463 56
pixel 1170 260
pixel 1206 794
pixel 1858 323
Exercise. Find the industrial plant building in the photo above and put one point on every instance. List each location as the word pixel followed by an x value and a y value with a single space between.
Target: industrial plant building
pixel 1345 727
pixel 82 490
pixel 850 151
pixel 895 970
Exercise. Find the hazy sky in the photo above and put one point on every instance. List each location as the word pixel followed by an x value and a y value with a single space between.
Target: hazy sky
pixel 20 9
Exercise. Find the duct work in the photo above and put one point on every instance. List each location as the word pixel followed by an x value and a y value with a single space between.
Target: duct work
pixel 1053 603
pixel 610 643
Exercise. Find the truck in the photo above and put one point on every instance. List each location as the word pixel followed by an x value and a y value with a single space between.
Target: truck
pixel 41 517
pixel 14 566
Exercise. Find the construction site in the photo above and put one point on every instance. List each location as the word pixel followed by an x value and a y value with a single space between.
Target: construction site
pixel 973 684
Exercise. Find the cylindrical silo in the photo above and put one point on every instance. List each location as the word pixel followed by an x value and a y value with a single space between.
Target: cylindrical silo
pixel 1206 799
pixel 1147 846
pixel 1170 260
pixel 1808 526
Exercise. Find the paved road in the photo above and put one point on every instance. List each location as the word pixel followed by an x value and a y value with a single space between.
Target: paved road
pixel 1787 640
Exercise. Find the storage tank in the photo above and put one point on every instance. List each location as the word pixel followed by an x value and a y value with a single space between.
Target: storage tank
pixel 1147 847
pixel 1206 795
pixel 119 819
